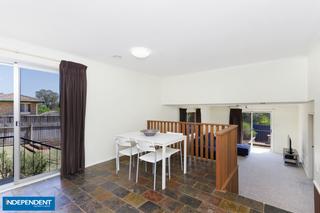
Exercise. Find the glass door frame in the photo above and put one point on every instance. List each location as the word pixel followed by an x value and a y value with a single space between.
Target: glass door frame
pixel 251 111
pixel 16 118
pixel 16 127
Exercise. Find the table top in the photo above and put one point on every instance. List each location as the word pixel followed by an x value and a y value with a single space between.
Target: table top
pixel 160 139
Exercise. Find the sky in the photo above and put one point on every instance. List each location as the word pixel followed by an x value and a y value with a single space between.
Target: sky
pixel 31 81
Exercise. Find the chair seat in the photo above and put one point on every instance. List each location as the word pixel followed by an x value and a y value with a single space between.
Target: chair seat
pixel 170 151
pixel 127 151
pixel 151 158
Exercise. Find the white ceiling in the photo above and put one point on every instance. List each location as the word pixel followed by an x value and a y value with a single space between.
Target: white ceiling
pixel 184 35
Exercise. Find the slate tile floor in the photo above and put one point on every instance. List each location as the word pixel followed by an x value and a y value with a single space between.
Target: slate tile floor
pixel 99 189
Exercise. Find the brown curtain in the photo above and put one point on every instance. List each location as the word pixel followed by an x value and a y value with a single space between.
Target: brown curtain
pixel 73 94
pixel 198 115
pixel 236 118
pixel 183 115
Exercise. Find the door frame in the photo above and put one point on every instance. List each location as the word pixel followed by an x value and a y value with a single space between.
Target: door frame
pixel 310 146
pixel 16 118
pixel 17 181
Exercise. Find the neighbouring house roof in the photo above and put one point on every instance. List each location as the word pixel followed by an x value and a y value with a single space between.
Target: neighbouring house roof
pixel 24 98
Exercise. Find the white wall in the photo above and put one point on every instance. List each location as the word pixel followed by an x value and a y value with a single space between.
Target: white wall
pixel 275 81
pixel 217 114
pixel 118 100
pixel 314 94
pixel 285 121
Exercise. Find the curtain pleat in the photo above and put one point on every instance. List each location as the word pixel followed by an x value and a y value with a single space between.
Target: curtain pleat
pixel 73 95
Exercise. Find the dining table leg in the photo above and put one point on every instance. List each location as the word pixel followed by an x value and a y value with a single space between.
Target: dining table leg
pixel 185 155
pixel 163 167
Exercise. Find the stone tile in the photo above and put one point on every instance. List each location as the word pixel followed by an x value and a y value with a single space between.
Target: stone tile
pixel 171 204
pixel 97 180
pixel 71 191
pixel 109 186
pixel 80 198
pixel 254 211
pixel 189 190
pixel 229 206
pixel 171 193
pixel 250 203
pixel 113 203
pixel 62 201
pixel 97 190
pixel 100 189
pixel 127 209
pixel 88 187
pixel 101 195
pixel 273 209
pixel 120 192
pixel 208 207
pixel 134 199
pixel 153 196
pixel 150 207
pixel 214 200
pixel 188 209
pixel 243 209
pixel 91 206
pixel 203 187
pixel 137 188
pixel 173 184
pixel 71 208
pixel 190 201
pixel 227 196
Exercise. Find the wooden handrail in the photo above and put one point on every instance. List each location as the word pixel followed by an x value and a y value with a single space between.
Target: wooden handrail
pixel 226 130
pixel 211 142
pixel 193 123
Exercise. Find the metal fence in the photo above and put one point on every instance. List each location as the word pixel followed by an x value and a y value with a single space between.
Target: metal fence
pixel 35 158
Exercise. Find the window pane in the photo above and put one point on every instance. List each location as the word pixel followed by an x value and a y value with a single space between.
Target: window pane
pixel 6 124
pixel 40 124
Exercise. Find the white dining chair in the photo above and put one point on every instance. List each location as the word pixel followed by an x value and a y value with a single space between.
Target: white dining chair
pixel 125 147
pixel 172 151
pixel 154 155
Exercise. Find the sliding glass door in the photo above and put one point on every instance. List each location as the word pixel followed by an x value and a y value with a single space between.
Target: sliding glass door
pixel 30 123
pixel 257 125
pixel 6 125
pixel 39 122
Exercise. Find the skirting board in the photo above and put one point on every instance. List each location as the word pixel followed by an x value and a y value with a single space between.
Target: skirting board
pixel 316 198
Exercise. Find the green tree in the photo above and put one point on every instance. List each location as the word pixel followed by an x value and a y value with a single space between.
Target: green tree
pixel 50 98
pixel 43 108
pixel 33 163
pixel 6 168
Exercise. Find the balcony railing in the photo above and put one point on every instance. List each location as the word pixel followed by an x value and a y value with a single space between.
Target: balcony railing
pixel 35 158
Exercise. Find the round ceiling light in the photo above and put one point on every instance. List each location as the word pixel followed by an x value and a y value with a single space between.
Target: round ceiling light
pixel 140 52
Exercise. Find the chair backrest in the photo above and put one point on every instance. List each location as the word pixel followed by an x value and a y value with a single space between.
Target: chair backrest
pixel 145 146
pixel 122 141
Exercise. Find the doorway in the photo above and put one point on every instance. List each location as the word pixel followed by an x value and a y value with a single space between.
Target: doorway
pixel 257 128
pixel 29 123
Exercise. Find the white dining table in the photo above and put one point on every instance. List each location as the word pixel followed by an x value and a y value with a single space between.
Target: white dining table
pixel 160 139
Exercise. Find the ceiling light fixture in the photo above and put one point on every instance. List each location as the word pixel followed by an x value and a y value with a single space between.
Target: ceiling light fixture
pixel 140 52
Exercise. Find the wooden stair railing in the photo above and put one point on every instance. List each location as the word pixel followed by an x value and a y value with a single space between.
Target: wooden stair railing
pixel 210 142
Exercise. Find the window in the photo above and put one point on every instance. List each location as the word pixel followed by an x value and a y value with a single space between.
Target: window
pixel 25 108
pixel 191 117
